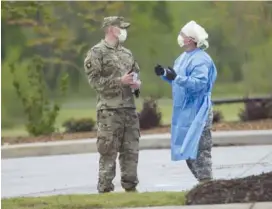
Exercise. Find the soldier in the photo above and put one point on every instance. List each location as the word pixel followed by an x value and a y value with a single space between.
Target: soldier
pixel 111 71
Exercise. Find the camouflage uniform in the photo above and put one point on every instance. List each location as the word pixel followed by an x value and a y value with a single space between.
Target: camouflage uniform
pixel 117 119
pixel 202 166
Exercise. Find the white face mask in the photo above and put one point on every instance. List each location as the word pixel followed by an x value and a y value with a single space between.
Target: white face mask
pixel 123 35
pixel 180 41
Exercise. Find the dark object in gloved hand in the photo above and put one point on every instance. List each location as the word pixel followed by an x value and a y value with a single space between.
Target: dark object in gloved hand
pixel 159 70
pixel 137 93
pixel 170 74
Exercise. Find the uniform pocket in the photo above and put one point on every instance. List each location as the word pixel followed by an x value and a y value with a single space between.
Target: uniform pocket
pixel 136 134
pixel 105 142
pixel 105 131
pixel 205 142
pixel 105 120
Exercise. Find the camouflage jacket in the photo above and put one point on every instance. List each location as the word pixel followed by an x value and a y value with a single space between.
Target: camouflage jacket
pixel 104 66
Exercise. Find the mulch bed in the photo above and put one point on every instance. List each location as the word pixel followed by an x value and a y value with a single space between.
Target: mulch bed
pixel 225 126
pixel 242 190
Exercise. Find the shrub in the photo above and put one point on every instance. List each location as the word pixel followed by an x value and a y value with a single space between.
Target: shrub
pixel 256 110
pixel 217 116
pixel 79 125
pixel 150 116
pixel 40 112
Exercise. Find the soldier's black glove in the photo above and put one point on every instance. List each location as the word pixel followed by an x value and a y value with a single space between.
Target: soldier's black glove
pixel 137 93
pixel 170 74
pixel 159 70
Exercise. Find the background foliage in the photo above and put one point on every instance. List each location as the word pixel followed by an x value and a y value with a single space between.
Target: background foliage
pixel 240 35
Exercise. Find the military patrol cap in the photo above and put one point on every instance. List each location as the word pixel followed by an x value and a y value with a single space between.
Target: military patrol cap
pixel 115 21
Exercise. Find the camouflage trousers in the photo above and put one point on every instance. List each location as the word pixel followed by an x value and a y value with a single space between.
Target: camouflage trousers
pixel 118 132
pixel 201 167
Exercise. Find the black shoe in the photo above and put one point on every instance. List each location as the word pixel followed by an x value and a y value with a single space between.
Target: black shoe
pixel 131 190
pixel 107 190
pixel 203 181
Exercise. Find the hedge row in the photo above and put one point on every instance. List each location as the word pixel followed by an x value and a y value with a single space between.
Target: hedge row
pixel 150 116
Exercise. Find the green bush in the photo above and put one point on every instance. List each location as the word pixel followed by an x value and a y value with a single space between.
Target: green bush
pixel 256 110
pixel 41 114
pixel 11 109
pixel 150 116
pixel 217 116
pixel 79 125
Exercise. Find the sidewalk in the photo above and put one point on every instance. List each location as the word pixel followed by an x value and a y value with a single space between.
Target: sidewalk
pixel 154 141
pixel 260 205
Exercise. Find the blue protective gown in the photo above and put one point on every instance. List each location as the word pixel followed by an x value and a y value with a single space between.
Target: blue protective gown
pixel 191 91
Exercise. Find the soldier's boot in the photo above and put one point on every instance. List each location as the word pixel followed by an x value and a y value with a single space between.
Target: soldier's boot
pixel 203 181
pixel 131 190
pixel 106 190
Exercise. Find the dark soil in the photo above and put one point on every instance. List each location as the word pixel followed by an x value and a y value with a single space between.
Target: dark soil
pixel 242 190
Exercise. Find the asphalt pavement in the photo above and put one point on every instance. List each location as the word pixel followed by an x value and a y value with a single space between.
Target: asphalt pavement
pixel 77 174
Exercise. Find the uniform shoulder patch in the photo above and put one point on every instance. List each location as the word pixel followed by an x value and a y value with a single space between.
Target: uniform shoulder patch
pixel 93 57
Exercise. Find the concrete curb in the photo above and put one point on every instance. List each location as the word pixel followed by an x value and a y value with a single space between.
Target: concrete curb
pixel 257 205
pixel 154 141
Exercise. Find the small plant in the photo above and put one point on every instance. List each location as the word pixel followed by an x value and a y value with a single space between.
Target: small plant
pixel 150 116
pixel 79 125
pixel 256 110
pixel 41 114
pixel 217 116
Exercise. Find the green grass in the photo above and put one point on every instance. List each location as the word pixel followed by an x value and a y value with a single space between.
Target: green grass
pixel 113 200
pixel 81 109
pixel 230 111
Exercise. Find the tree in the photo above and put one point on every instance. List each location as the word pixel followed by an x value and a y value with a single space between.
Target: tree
pixel 41 115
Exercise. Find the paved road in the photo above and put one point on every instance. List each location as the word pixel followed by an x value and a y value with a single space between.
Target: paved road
pixel 68 174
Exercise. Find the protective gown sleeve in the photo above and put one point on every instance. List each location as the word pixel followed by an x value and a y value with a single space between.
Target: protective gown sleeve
pixel 198 79
pixel 93 69
pixel 165 79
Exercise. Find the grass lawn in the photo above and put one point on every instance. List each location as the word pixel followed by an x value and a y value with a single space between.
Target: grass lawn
pixel 81 109
pixel 113 200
